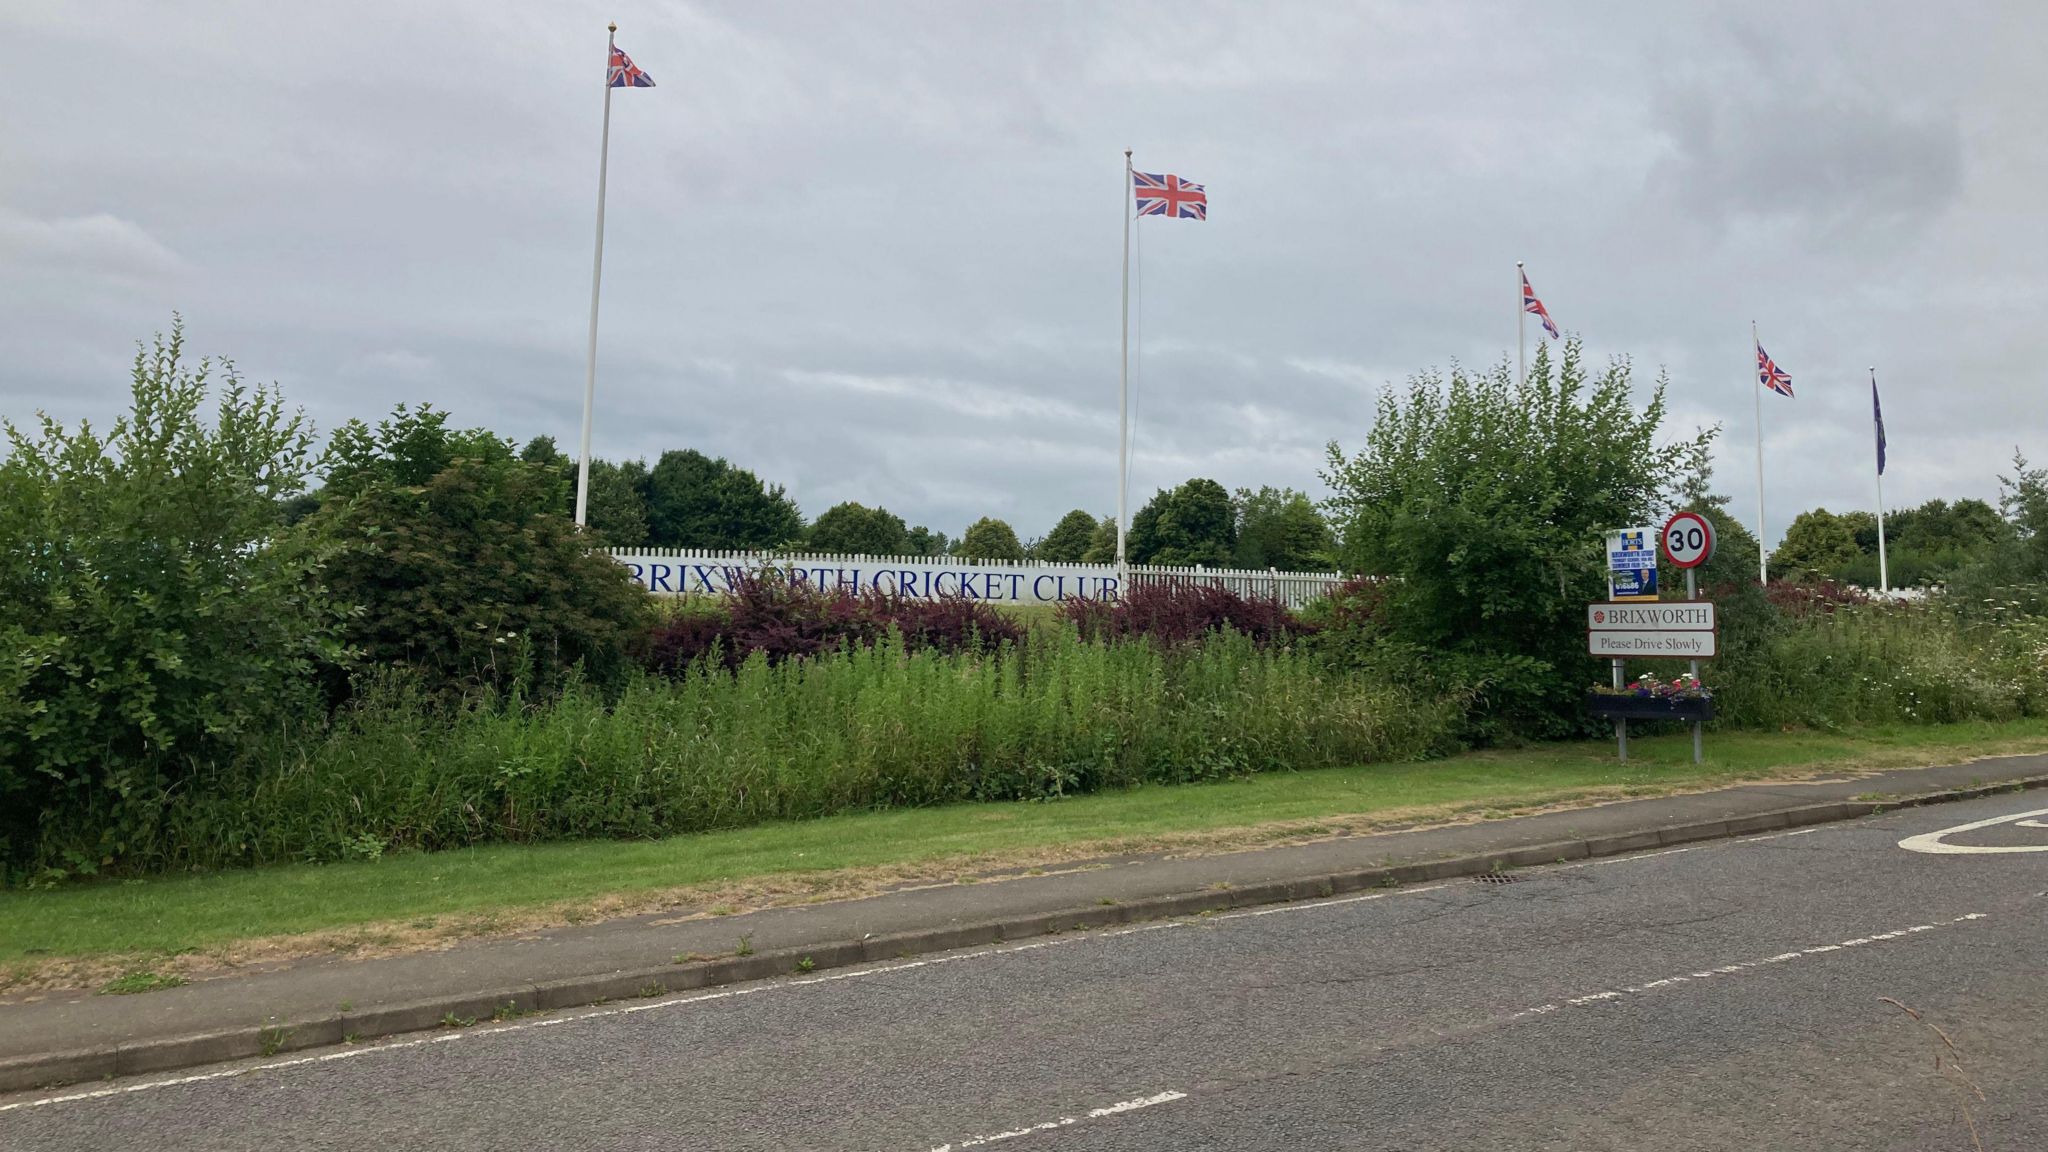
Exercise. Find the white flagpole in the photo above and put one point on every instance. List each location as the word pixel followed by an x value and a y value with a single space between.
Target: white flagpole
pixel 1123 424
pixel 1763 568
pixel 1521 327
pixel 1884 576
pixel 596 277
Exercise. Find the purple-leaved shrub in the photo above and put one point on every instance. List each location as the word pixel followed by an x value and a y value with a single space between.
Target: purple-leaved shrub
pixel 770 613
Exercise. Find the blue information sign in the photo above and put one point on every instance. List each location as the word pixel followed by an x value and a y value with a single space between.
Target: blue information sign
pixel 1632 564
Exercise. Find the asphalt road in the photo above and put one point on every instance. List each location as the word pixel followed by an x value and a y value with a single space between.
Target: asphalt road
pixel 1730 995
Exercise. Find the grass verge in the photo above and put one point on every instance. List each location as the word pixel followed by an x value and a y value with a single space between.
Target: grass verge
pixel 81 935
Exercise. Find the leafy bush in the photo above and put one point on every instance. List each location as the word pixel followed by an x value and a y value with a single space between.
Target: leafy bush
pixel 1176 613
pixel 1484 501
pixel 155 608
pixel 460 565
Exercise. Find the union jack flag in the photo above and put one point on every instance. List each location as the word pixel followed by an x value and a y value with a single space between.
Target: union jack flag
pixel 623 73
pixel 1534 307
pixel 1169 195
pixel 1770 375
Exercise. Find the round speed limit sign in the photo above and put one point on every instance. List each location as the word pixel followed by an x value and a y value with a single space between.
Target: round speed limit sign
pixel 1688 540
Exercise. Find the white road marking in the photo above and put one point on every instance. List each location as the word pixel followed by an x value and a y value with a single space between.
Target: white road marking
pixel 2031 824
pixel 1116 1109
pixel 1737 968
pixel 1934 842
pixel 1777 835
pixel 1276 909
pixel 1628 857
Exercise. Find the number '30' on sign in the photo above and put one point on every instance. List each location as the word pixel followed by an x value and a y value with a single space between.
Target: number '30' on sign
pixel 1687 540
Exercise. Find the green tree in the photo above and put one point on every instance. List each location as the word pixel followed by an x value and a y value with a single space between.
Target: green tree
pixel 1068 541
pixel 922 541
pixel 1815 544
pixel 1485 502
pixel 618 503
pixel 154 606
pixel 695 501
pixel 1192 524
pixel 990 539
pixel 2024 498
pixel 1102 544
pixel 469 574
pixel 1280 528
pixel 617 510
pixel 860 530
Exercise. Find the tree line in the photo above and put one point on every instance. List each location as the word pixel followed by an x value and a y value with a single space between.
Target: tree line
pixel 1926 544
pixel 687 499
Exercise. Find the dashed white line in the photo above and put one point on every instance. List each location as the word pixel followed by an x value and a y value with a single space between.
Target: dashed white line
pixel 1610 994
pixel 1117 1109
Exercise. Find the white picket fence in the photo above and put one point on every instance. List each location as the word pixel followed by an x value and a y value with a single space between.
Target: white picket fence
pixel 684 571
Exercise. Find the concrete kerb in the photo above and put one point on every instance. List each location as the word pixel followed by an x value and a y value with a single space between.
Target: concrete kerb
pixel 58 1068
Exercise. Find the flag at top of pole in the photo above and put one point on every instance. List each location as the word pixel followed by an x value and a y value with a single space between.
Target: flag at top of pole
pixel 623 73
pixel 1169 195
pixel 1768 375
pixel 619 72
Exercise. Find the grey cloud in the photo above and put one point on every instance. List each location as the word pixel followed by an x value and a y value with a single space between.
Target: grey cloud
pixel 1783 132
pixel 99 243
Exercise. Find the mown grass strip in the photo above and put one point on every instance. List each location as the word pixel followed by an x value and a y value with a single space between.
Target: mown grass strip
pixel 458 892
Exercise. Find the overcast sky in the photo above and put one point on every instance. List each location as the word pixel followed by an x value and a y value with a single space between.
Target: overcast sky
pixel 871 250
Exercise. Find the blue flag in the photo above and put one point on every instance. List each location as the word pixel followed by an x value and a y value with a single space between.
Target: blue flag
pixel 1877 415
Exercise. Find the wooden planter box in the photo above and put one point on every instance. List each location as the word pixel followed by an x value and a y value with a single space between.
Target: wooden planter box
pixel 1649 707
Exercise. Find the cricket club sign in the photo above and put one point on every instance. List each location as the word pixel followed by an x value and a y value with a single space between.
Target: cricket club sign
pixel 917 579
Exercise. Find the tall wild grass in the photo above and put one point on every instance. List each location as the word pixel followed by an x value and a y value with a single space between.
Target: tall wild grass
pixel 853 728
pixel 1850 663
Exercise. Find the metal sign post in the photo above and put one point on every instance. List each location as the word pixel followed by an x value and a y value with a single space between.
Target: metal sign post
pixel 1692 592
pixel 1620 722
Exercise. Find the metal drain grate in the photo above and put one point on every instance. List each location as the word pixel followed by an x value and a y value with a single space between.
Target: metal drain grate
pixel 1496 878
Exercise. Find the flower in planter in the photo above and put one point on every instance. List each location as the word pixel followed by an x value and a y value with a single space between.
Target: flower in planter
pixel 1649 687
